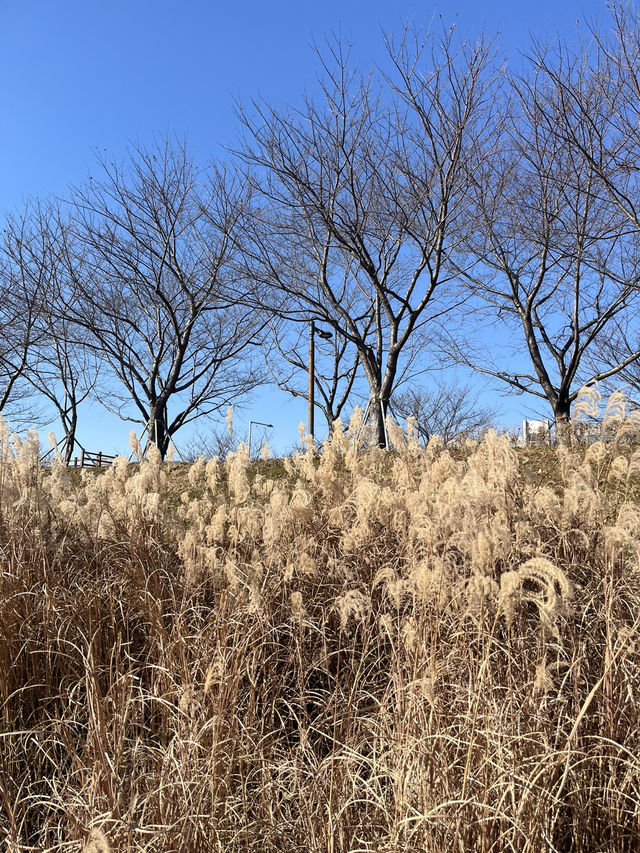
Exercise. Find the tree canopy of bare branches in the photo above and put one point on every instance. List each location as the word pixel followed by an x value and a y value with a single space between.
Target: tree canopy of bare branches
pixel 552 263
pixel 155 291
pixel 449 410
pixel 598 87
pixel 360 198
pixel 23 279
pixel 59 368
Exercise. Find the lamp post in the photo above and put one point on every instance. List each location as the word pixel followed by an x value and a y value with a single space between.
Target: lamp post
pixel 312 371
pixel 257 423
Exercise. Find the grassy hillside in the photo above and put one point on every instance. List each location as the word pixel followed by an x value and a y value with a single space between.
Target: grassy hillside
pixel 364 652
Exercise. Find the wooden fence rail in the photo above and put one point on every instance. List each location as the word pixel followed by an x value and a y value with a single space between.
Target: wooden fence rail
pixel 88 459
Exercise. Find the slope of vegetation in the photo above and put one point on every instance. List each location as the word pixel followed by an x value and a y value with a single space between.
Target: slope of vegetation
pixel 377 652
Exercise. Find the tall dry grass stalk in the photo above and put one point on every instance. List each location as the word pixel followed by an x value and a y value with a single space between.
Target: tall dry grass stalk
pixel 376 652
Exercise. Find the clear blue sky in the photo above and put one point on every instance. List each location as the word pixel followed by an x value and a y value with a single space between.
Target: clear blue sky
pixel 80 75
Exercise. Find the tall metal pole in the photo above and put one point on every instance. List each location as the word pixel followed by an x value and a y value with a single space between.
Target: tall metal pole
pixel 312 372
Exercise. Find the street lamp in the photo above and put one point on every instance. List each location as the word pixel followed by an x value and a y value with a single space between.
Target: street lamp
pixel 312 369
pixel 257 423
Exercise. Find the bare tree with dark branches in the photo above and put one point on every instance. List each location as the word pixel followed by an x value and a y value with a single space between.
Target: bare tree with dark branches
pixel 360 199
pixel 449 410
pixel 156 291
pixel 554 266
pixel 598 87
pixel 23 281
pixel 58 368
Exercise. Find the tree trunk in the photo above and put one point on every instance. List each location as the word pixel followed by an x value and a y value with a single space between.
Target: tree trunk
pixel 562 418
pixel 377 415
pixel 158 434
pixel 70 436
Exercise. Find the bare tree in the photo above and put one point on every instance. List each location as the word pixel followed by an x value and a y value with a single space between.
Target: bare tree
pixel 217 442
pixel 599 89
pixel 65 374
pixel 22 287
pixel 154 288
pixel 449 410
pixel 57 367
pixel 360 199
pixel 555 266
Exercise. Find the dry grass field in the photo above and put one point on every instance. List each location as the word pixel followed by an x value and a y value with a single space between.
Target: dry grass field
pixel 413 651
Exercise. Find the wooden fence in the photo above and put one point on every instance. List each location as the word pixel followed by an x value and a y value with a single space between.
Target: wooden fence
pixel 88 459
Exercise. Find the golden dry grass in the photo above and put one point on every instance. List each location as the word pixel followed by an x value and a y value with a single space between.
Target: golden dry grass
pixel 412 652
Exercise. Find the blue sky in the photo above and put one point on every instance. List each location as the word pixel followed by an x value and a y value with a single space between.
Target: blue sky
pixel 81 75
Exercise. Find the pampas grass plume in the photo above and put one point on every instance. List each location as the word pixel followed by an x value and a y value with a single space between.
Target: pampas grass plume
pixel 97 842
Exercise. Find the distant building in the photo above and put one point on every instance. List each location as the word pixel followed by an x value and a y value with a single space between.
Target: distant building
pixel 535 432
